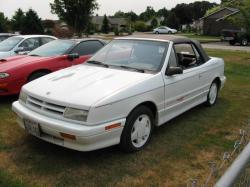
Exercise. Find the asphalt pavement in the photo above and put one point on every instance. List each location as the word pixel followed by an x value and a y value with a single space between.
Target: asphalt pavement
pixel 225 46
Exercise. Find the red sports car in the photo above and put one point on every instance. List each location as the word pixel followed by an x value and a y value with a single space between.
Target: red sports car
pixel 17 71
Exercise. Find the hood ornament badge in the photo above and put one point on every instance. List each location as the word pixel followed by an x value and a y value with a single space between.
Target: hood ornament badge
pixel 48 93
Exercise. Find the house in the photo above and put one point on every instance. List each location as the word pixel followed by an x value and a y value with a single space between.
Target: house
pixel 214 23
pixel 114 23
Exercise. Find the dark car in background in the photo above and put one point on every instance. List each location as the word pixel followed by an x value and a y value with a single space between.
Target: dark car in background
pixel 236 36
pixel 4 36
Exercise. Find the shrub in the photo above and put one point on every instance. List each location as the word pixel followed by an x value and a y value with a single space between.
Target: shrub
pixel 140 26
pixel 116 31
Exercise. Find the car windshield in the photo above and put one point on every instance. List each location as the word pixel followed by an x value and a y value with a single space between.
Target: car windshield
pixel 54 48
pixel 132 54
pixel 9 43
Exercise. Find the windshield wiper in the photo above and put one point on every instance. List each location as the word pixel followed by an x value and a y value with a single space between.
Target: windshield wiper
pixel 34 55
pixel 137 69
pixel 97 63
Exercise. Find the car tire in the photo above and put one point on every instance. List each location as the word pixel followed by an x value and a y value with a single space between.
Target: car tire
pixel 169 32
pixel 138 129
pixel 212 95
pixel 157 32
pixel 244 42
pixel 36 75
pixel 232 42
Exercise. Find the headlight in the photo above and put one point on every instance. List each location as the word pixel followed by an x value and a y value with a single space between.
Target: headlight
pixel 23 97
pixel 4 75
pixel 76 114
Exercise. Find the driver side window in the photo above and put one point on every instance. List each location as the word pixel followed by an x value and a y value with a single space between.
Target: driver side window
pixel 187 55
pixel 30 44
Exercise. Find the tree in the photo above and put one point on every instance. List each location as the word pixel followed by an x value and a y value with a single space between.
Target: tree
pixel 17 20
pixel 76 13
pixel 199 8
pixel 32 24
pixel 119 14
pixel 245 15
pixel 3 23
pixel 242 19
pixel 148 14
pixel 132 16
pixel 105 25
pixel 187 13
pixel 173 21
pixel 163 13
pixel 154 23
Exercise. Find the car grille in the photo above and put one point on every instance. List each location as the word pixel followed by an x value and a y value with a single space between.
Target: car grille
pixel 45 107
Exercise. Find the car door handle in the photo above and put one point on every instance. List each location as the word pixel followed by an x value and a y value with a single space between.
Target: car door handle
pixel 200 76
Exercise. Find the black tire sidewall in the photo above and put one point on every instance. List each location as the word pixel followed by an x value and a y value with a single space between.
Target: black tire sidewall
pixel 126 143
pixel 36 75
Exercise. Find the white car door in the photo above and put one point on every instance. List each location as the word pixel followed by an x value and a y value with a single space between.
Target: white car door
pixel 182 91
pixel 165 30
pixel 161 30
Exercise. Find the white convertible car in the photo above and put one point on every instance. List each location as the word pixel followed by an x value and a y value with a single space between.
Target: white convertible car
pixel 119 96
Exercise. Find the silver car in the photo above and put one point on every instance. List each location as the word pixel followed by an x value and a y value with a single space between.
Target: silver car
pixel 22 44
pixel 164 30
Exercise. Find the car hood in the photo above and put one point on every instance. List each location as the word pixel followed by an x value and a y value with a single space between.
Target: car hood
pixel 4 54
pixel 82 86
pixel 17 61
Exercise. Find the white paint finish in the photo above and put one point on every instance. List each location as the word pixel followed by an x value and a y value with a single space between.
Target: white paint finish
pixel 110 95
pixel 69 86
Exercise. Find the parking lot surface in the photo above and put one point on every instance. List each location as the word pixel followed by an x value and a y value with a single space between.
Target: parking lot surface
pixel 225 46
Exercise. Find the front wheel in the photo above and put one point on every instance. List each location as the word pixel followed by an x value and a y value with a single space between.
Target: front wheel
pixel 212 94
pixel 36 75
pixel 138 130
pixel 244 42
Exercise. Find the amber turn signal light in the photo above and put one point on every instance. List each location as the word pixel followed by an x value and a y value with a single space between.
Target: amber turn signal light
pixel 113 126
pixel 68 136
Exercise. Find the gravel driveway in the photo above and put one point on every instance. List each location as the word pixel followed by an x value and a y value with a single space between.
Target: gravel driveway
pixel 225 46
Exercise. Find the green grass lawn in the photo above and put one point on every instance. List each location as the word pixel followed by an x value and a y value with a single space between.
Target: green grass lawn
pixel 179 150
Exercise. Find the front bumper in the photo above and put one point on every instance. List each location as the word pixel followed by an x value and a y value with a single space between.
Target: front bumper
pixel 88 138
pixel 10 87
pixel 223 80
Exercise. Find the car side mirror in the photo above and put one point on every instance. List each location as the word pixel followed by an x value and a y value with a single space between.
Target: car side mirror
pixel 174 71
pixel 19 49
pixel 73 56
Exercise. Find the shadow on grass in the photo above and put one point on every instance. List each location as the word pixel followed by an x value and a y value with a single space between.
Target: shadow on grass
pixel 170 142
pixel 8 99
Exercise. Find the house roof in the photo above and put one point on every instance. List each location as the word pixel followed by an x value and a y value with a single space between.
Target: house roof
pixel 232 10
pixel 121 21
pixel 115 21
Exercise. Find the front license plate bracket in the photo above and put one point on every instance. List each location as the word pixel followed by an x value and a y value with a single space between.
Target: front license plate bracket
pixel 32 127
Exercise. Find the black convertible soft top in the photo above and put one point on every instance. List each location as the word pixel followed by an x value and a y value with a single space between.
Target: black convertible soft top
pixel 174 38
